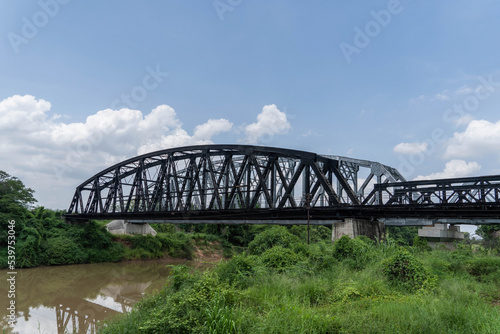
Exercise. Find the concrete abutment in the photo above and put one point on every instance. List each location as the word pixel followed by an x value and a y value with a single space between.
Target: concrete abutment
pixel 124 227
pixel 440 234
pixel 353 227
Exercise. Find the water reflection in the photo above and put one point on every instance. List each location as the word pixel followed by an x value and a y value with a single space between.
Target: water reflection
pixel 73 299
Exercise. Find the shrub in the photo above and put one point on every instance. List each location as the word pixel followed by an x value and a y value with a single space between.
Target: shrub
pixel 237 270
pixel 316 233
pixel 63 250
pixel 421 244
pixel 483 267
pixel 355 252
pixel 275 236
pixel 403 269
pixel 280 258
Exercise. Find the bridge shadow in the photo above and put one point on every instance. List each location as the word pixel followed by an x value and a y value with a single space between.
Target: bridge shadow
pixel 77 315
pixel 77 299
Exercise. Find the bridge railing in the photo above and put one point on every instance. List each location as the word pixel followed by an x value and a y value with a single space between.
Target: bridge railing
pixel 458 191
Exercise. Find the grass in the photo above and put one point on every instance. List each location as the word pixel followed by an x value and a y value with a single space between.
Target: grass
pixel 324 293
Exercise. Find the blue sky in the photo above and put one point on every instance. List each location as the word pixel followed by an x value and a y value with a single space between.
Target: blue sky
pixel 420 92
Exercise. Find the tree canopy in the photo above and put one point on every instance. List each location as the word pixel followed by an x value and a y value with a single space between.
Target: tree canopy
pixel 15 197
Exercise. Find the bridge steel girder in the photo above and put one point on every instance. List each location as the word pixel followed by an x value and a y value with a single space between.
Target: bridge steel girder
pixel 213 178
pixel 242 182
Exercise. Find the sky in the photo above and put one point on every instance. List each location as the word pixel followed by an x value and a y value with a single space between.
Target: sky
pixel 86 84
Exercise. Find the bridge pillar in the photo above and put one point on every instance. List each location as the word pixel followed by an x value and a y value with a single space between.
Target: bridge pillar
pixel 440 234
pixel 124 227
pixel 353 227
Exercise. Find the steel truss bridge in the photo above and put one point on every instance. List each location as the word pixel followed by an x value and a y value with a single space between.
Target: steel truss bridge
pixel 254 184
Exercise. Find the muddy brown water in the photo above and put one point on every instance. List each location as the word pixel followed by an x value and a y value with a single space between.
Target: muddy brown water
pixel 73 298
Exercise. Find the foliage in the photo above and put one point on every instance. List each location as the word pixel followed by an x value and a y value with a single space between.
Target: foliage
pixel 404 269
pixel 403 235
pixel 316 233
pixel 484 268
pixel 238 270
pixel 490 235
pixel 394 292
pixel 275 236
pixel 421 244
pixel 63 250
pixel 220 318
pixel 355 252
pixel 14 196
pixel 280 258
pixel 486 231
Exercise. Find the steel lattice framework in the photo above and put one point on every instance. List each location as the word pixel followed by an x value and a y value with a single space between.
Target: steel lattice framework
pixel 241 182
pixel 226 180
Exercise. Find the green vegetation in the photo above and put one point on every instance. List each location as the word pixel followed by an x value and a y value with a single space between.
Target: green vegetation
pixel 43 238
pixel 280 285
pixel 275 282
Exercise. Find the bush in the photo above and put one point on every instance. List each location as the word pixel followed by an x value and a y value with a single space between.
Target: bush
pixel 354 252
pixel 483 268
pixel 275 236
pixel 177 244
pixel 280 258
pixel 238 270
pixel 421 244
pixel 316 233
pixel 403 269
pixel 63 250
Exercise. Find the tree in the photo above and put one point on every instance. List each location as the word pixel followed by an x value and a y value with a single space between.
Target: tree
pixel 14 196
pixel 404 235
pixel 490 234
pixel 15 200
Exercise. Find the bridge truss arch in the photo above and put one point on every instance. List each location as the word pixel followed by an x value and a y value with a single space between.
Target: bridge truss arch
pixel 227 182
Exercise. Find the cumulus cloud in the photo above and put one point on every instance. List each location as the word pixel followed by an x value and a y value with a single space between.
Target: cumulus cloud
pixel 211 128
pixel 53 157
pixel 271 121
pixel 452 169
pixel 410 148
pixel 479 138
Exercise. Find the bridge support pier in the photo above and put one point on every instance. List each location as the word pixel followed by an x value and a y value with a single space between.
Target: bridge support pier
pixel 440 234
pixel 353 227
pixel 124 227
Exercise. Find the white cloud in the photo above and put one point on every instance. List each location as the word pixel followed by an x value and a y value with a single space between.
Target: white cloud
pixel 443 96
pixel 53 157
pixel 212 127
pixel 452 169
pixel 479 138
pixel 410 148
pixel 271 121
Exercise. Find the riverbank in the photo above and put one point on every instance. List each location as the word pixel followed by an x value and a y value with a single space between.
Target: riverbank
pixel 282 285
pixel 44 239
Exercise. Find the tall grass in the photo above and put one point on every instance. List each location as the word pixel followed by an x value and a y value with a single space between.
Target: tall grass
pixel 323 290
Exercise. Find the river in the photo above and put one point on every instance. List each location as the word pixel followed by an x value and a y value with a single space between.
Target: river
pixel 73 298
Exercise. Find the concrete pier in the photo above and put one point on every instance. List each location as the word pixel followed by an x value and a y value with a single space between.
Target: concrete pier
pixel 440 234
pixel 124 227
pixel 353 227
